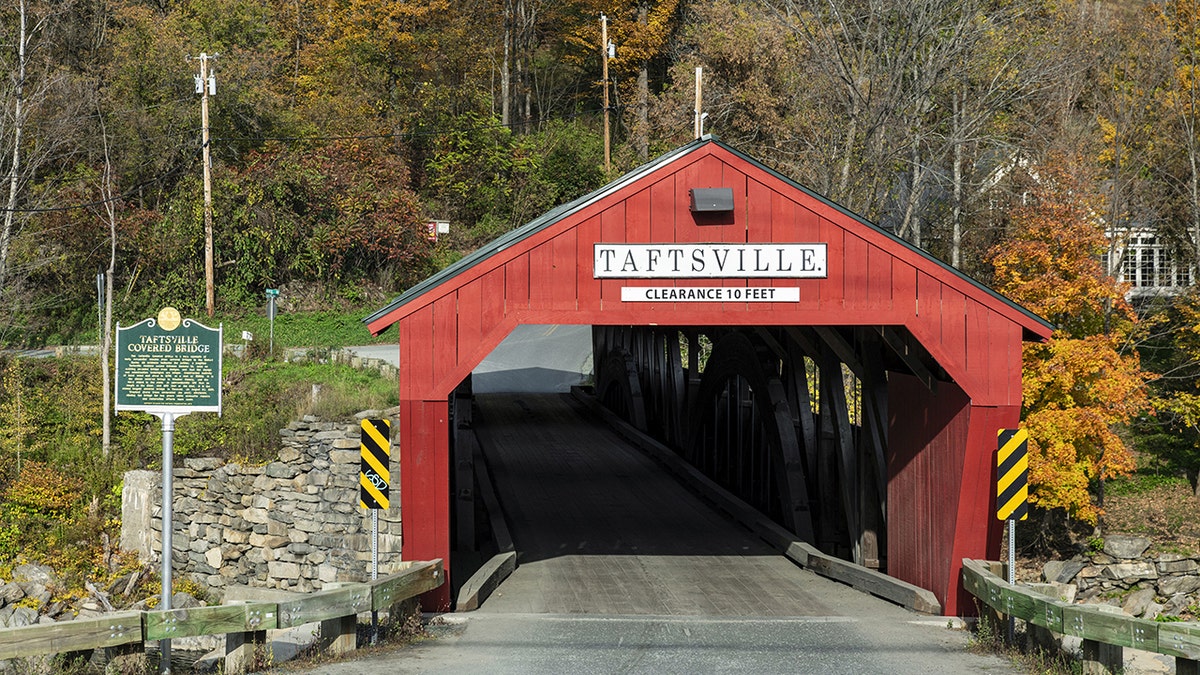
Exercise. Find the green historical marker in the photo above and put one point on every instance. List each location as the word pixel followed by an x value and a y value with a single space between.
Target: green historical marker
pixel 170 365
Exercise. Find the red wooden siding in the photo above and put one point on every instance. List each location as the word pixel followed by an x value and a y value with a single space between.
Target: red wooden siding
pixel 941 445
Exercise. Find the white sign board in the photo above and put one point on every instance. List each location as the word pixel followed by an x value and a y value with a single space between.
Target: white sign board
pixel 709 261
pixel 709 294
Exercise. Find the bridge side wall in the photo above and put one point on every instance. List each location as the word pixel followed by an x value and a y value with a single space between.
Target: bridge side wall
pixel 941 454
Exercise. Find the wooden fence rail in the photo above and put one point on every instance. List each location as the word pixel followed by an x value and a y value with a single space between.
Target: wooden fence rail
pixel 242 624
pixel 1104 634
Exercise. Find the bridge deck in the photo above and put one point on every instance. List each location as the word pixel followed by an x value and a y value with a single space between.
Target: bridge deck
pixel 601 529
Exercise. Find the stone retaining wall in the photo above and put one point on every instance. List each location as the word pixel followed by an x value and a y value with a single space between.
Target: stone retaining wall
pixel 1123 575
pixel 294 524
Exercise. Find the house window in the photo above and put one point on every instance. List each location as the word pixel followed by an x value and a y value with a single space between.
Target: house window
pixel 1145 264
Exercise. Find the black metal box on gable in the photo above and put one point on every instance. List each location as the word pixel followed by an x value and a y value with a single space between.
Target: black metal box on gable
pixel 711 200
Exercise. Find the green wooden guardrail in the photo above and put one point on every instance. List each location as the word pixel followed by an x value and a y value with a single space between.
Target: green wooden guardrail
pixel 248 622
pixel 1103 633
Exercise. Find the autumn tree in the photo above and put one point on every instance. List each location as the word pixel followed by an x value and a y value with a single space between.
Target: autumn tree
pixel 1085 381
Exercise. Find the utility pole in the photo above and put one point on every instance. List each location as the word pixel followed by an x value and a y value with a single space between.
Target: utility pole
pixel 206 85
pixel 606 50
pixel 699 128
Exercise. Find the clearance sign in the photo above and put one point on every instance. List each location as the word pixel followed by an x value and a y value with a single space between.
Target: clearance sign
pixel 709 261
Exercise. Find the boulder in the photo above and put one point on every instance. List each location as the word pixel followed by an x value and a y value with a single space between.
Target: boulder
pixel 1169 586
pixel 10 593
pixel 1136 602
pixel 1131 571
pixel 183 600
pixel 22 616
pixel 1125 547
pixel 1061 571
pixel 41 575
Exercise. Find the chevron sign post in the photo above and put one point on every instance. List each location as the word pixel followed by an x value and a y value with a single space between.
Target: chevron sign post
pixel 373 481
pixel 1012 490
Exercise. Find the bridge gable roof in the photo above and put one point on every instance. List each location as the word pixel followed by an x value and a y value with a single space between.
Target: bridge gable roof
pixel 734 166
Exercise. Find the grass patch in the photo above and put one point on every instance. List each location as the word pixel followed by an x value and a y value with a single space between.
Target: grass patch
pixel 1161 508
pixel 313 329
pixel 263 397
pixel 1142 484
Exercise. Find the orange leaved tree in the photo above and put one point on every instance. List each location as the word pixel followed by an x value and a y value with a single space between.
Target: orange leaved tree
pixel 1087 379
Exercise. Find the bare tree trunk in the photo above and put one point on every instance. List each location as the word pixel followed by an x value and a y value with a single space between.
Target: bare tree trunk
pixel 15 166
pixel 909 222
pixel 106 341
pixel 506 67
pixel 848 151
pixel 642 131
pixel 956 209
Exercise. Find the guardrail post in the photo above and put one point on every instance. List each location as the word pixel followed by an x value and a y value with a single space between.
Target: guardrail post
pixel 339 635
pixel 1102 659
pixel 127 658
pixel 245 650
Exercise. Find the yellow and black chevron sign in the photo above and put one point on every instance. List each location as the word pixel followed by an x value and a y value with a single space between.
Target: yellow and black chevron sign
pixel 374 476
pixel 1012 475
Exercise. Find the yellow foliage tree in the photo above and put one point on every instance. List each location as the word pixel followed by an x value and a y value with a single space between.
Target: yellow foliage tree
pixel 1084 381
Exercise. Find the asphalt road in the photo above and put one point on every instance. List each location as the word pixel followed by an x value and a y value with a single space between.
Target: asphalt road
pixel 549 644
pixel 624 571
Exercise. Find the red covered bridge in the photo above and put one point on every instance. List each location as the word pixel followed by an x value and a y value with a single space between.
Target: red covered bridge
pixel 854 386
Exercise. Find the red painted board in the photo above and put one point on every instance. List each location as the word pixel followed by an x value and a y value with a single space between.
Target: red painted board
pixel 564 271
pixel 904 289
pixel 926 434
pixel 612 231
pixel 734 177
pixel 470 315
pixel 879 279
pixel 541 277
pixel 978 348
pixel 832 287
pixel 516 284
pixel 587 287
pixel 420 350
pixel 954 332
pixel 978 532
pixel 444 342
pixel 425 490
pixel 492 290
pixel 855 271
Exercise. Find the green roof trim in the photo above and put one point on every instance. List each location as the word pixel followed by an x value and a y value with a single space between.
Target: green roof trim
pixel 555 215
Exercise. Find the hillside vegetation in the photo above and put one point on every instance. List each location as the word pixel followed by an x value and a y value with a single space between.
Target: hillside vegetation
pixel 1022 141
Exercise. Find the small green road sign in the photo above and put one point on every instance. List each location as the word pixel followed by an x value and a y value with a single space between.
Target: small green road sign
pixel 168 365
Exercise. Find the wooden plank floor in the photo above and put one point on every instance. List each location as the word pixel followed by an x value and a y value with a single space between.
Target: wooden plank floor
pixel 601 529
